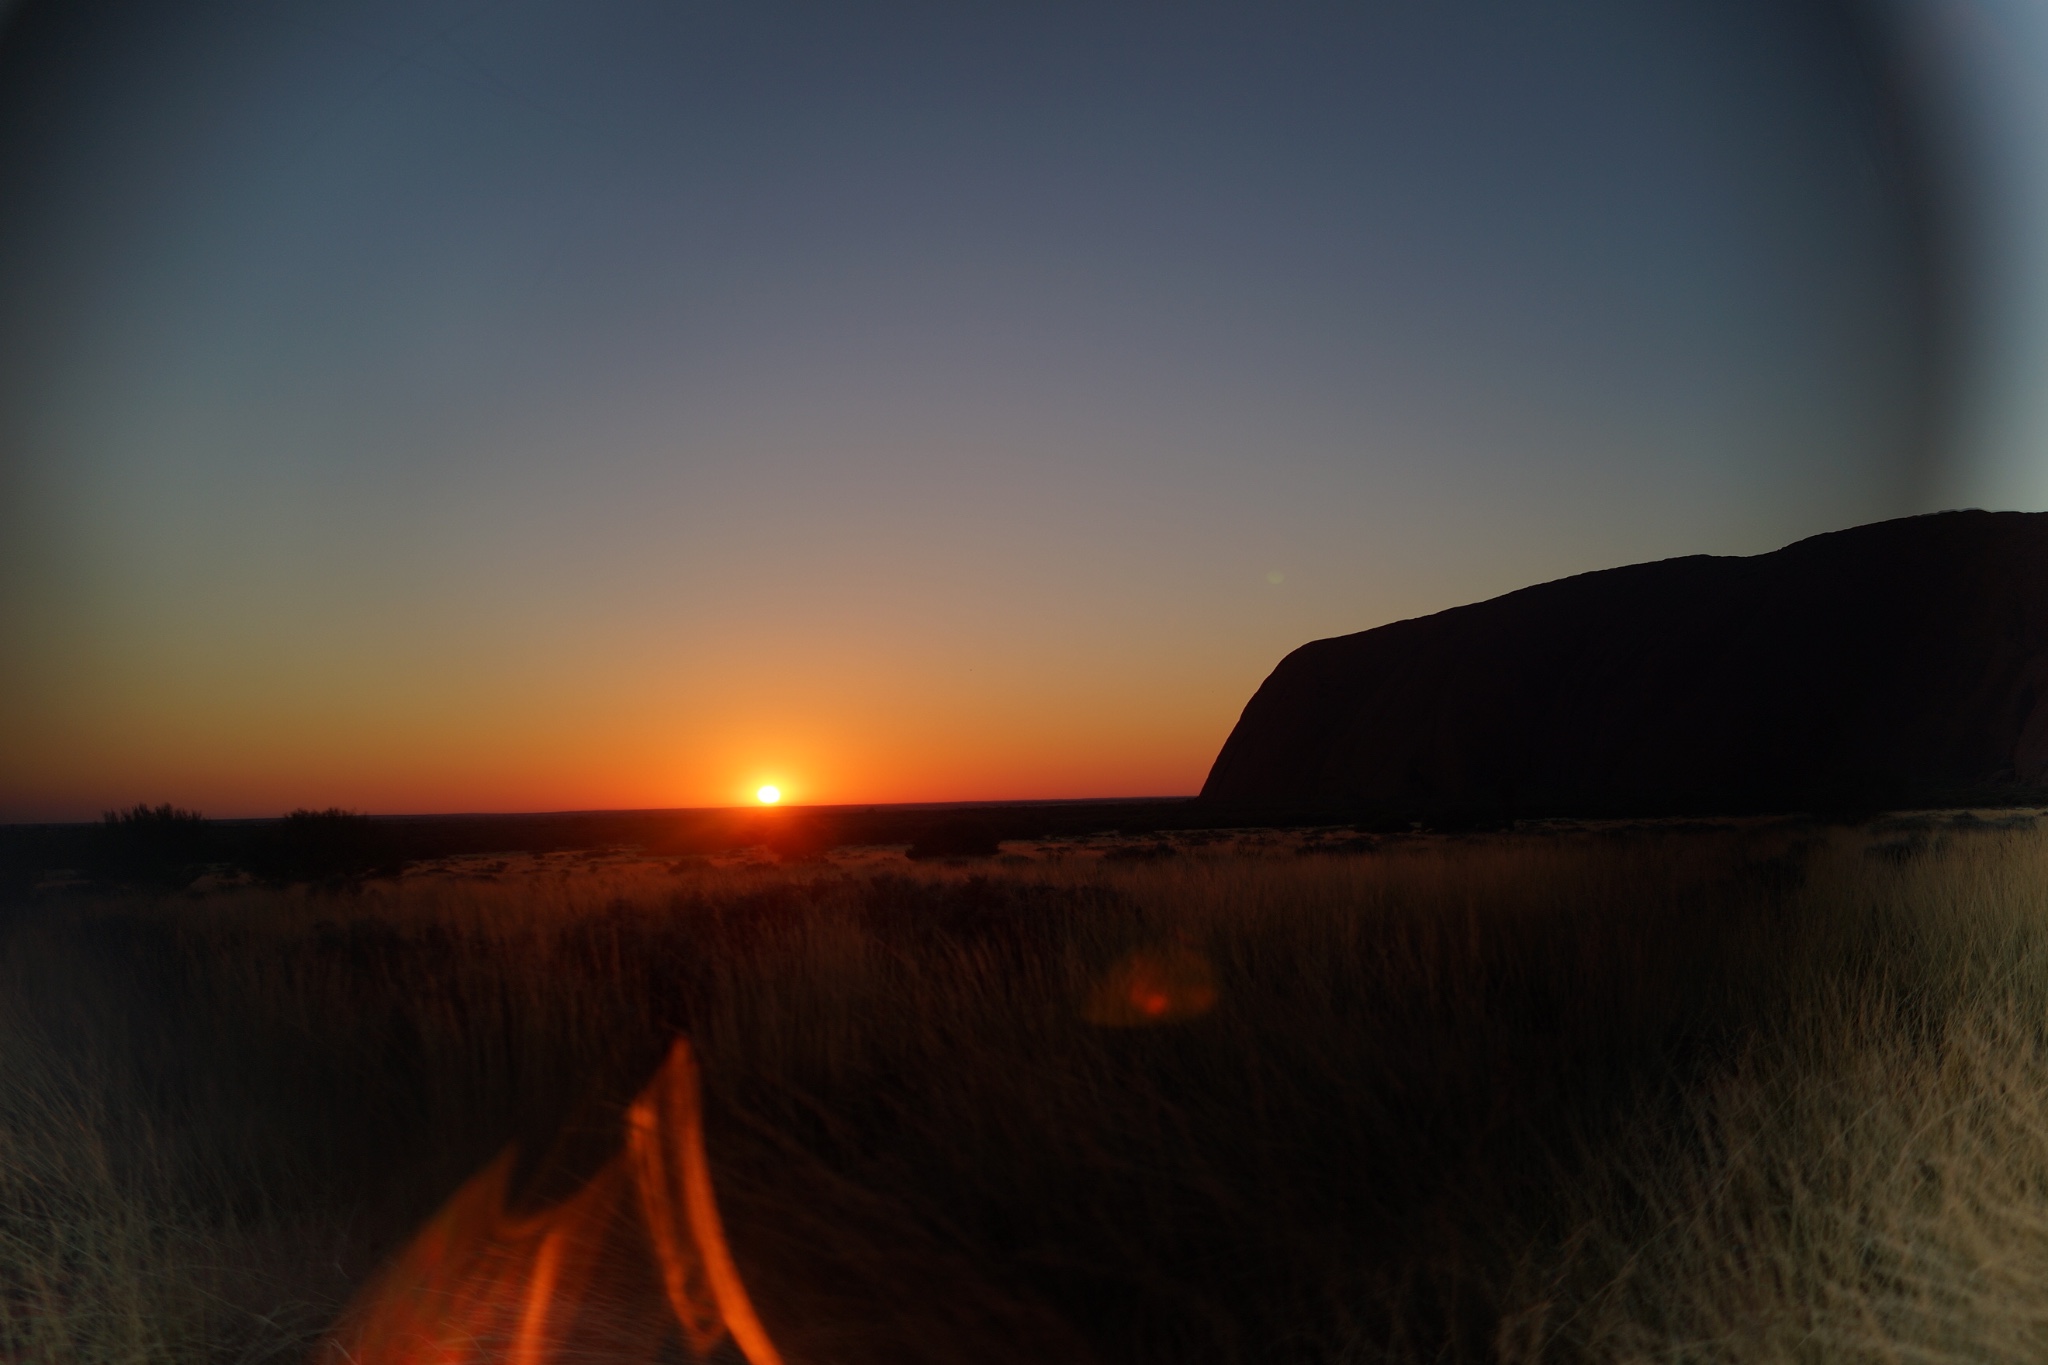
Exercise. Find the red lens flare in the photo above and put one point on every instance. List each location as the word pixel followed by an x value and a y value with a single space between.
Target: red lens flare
pixel 1153 986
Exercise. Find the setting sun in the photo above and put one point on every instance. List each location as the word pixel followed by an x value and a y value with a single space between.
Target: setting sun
pixel 768 796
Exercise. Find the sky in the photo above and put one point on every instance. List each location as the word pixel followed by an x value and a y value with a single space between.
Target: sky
pixel 601 404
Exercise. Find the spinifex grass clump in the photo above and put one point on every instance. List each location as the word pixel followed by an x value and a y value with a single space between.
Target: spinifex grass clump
pixel 1738 1093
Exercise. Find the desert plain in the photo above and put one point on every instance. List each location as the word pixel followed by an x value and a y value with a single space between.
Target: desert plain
pixel 1755 1089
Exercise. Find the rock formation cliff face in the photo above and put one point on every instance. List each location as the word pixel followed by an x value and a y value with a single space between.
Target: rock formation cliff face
pixel 1900 663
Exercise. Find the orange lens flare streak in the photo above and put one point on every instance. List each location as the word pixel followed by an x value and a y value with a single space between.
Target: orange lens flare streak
pixel 531 1346
pixel 670 1106
pixel 482 1284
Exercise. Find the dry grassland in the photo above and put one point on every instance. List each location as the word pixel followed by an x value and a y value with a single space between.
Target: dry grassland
pixel 1727 1092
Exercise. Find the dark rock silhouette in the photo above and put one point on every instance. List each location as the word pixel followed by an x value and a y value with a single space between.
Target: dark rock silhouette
pixel 1894 664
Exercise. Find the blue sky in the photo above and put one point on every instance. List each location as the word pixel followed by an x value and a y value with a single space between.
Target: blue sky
pixel 486 406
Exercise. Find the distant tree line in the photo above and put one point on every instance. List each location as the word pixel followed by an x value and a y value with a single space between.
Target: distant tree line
pixel 168 848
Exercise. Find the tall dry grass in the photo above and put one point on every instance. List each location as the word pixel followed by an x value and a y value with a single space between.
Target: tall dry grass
pixel 1735 1093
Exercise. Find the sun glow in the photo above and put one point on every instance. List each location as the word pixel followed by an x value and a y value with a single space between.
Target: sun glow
pixel 768 796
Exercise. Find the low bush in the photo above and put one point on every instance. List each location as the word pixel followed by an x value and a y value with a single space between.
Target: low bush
pixel 161 847
pixel 958 838
pixel 330 846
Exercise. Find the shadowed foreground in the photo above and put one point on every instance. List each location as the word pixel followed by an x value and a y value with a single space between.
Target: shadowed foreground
pixel 1738 1092
pixel 481 1282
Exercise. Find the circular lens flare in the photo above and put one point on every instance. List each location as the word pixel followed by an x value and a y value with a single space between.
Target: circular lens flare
pixel 768 796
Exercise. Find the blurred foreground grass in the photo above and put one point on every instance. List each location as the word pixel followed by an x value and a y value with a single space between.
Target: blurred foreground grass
pixel 1743 1092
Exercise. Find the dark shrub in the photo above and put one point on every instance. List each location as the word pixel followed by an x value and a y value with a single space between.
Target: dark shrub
pixel 23 859
pixel 1353 844
pixel 321 846
pixel 796 838
pixel 1384 822
pixel 957 838
pixel 157 846
pixel 1470 820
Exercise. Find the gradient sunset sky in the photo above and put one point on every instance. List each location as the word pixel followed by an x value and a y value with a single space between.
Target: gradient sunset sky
pixel 604 404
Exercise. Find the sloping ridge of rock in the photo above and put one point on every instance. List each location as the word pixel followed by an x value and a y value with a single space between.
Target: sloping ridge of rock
pixel 1899 663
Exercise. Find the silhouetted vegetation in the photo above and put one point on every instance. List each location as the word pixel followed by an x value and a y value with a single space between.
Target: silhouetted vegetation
pixel 162 847
pixel 794 836
pixel 342 847
pixel 960 837
pixel 1143 850
pixel 330 846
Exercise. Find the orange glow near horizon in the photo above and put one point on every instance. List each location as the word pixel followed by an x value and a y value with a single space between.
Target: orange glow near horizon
pixel 502 747
pixel 834 701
